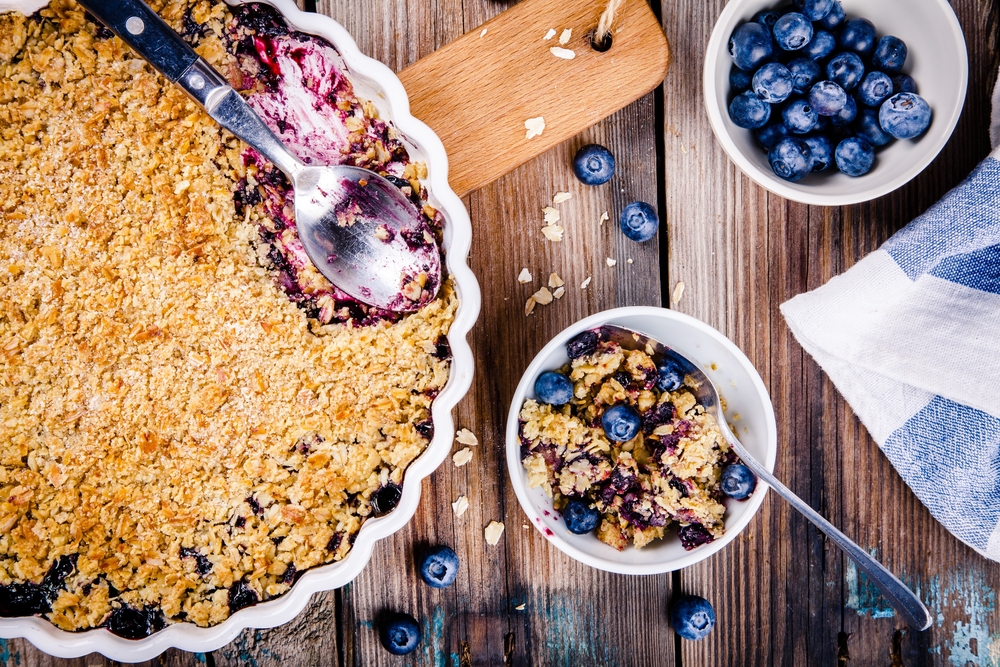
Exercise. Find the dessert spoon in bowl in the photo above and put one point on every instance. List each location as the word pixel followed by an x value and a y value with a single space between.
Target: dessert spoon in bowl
pixel 902 599
pixel 358 229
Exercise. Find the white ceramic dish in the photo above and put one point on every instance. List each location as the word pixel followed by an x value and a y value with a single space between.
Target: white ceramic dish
pixel 937 60
pixel 736 380
pixel 374 81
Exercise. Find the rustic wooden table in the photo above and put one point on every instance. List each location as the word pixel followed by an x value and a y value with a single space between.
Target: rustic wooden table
pixel 783 595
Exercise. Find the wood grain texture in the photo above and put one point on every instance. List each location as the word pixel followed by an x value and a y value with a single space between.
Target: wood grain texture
pixel 478 91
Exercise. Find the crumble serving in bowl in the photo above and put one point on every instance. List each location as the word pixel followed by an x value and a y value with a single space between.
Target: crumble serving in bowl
pixel 190 415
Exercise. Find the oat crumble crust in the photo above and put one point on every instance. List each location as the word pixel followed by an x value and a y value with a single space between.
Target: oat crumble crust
pixel 175 433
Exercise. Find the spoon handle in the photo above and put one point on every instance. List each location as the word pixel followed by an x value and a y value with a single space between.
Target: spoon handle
pixel 149 36
pixel 902 599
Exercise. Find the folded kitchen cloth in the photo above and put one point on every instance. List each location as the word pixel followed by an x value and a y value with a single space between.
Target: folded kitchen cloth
pixel 911 337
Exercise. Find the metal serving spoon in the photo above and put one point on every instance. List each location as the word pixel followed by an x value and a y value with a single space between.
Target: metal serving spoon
pixel 338 209
pixel 902 599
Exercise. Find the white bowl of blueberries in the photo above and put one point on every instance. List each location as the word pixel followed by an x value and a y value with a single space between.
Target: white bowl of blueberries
pixel 835 102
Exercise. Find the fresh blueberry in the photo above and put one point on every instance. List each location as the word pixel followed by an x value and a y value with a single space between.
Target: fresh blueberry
pixel 890 54
pixel 439 567
pixel 820 152
pixel 845 70
pixel 905 115
pixel 874 88
pixel 737 481
pixel 739 80
pixel 773 83
pixel 855 156
pixel 805 73
pixel 845 115
pixel 553 388
pixel 820 46
pixel 750 45
pixel 792 31
pixel 771 134
pixel 827 98
pixel 868 128
pixel 799 117
pixel 669 377
pixel 692 617
pixel 790 159
pixel 621 422
pixel 814 10
pixel 639 221
pixel 903 83
pixel 594 164
pixel 749 111
pixel 766 19
pixel 400 634
pixel 857 35
pixel 580 517
pixel 834 18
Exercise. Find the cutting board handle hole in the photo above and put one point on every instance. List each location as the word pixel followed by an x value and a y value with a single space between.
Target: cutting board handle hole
pixel 600 45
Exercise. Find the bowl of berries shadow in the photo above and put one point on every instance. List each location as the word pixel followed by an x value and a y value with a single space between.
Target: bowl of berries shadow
pixel 937 60
pixel 748 408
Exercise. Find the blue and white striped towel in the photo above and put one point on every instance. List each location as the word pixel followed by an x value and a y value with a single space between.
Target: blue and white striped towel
pixel 911 337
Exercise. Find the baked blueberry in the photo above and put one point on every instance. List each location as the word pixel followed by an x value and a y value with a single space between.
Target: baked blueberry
pixel 857 35
pixel 739 80
pixel 845 70
pixel 832 20
pixel 241 596
pixel 874 88
pixel 692 617
pixel 867 127
pixel 773 83
pixel 766 19
pixel 400 634
pixel 903 83
pixel 621 422
pixel 799 117
pixel 439 567
pixel 385 498
pixel 749 111
pixel 553 388
pixel 827 98
pixel 594 164
pixel 771 134
pixel 814 10
pixel 792 31
pixel 846 115
pixel 693 536
pixel 639 221
pixel 805 72
pixel 905 115
pixel 131 623
pixel 669 376
pixel 580 517
pixel 750 45
pixel 582 344
pixel 738 482
pixel 890 54
pixel 855 156
pixel 790 159
pixel 820 152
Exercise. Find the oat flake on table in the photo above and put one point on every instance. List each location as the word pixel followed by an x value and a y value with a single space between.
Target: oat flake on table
pixel 555 280
pixel 585 283
pixel 466 437
pixel 534 126
pixel 550 34
pixel 565 54
pixel 462 457
pixel 543 296
pixel 493 532
pixel 565 36
pixel 460 505
pixel 611 262
pixel 552 215
pixel 560 197
pixel 553 233
pixel 524 277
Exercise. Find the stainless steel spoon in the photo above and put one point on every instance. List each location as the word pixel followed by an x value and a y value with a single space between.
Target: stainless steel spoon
pixel 902 599
pixel 359 229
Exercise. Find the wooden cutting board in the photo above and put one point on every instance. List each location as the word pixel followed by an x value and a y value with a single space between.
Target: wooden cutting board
pixel 477 92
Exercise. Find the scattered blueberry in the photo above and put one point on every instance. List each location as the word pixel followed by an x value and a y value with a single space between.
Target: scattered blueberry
pixel 553 388
pixel 874 88
pixel 903 83
pixel 749 111
pixel 890 54
pixel 867 127
pixel 792 31
pixel 692 617
pixel 739 80
pixel 737 481
pixel 820 152
pixel 790 159
pixel 845 70
pixel 580 517
pixel 131 623
pixel 847 114
pixel 620 422
pixel 855 156
pixel 400 634
pixel 750 45
pixel 799 117
pixel 805 73
pixel 820 46
pixel 669 376
pixel 771 134
pixel 639 221
pixel 766 19
pixel 857 35
pixel 905 115
pixel 827 98
pixel 814 10
pixel 594 164
pixel 832 20
pixel 439 567
pixel 773 83
pixel 384 499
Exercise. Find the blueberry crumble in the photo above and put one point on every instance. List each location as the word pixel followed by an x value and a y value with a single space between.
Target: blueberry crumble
pixel 190 415
pixel 631 454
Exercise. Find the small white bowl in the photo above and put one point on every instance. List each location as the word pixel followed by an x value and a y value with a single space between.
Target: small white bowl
pixel 748 408
pixel 937 60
